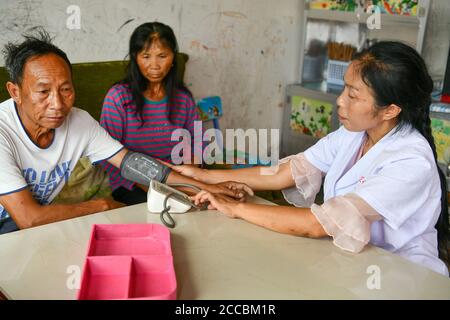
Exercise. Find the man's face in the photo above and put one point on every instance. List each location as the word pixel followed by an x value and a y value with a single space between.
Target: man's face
pixel 46 93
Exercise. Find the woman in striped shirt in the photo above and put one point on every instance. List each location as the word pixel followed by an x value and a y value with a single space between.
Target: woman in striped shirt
pixel 143 109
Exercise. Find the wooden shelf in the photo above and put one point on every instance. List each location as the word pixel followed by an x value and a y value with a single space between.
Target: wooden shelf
pixel 352 17
pixel 440 115
pixel 316 90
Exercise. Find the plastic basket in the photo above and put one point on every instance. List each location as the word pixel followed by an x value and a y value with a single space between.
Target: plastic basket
pixel 336 71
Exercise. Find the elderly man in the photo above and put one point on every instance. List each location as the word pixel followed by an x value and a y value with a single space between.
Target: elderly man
pixel 42 137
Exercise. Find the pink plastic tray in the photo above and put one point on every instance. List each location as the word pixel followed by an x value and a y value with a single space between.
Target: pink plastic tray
pixel 128 261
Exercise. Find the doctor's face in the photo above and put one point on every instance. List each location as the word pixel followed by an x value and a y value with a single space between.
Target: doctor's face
pixel 356 104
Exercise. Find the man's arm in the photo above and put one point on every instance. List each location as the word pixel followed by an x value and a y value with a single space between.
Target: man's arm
pixel 173 176
pixel 257 178
pixel 27 213
pixel 141 166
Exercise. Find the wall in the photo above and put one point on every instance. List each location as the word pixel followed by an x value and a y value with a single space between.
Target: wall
pixel 437 38
pixel 243 50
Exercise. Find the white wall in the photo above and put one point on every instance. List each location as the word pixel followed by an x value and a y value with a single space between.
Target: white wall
pixel 242 50
pixel 437 38
pixel 246 51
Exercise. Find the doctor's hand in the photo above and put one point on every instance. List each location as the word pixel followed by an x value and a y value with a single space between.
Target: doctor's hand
pixel 219 202
pixel 236 190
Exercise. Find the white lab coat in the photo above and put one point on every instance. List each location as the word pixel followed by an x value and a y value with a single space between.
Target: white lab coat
pixel 398 178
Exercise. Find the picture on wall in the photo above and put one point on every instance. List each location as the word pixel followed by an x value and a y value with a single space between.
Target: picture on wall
pixel 398 7
pixel 441 134
pixel 311 117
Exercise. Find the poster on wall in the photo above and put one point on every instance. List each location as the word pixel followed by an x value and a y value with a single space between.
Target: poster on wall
pixel 350 5
pixel 310 116
pixel 441 134
pixel 398 7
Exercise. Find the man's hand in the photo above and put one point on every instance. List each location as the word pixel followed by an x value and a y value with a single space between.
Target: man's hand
pixel 27 212
pixel 196 176
pixel 219 202
pixel 111 204
pixel 237 190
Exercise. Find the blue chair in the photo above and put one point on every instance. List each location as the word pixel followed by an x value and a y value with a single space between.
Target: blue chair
pixel 210 109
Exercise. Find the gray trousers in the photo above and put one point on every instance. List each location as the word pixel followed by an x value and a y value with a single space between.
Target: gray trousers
pixel 8 225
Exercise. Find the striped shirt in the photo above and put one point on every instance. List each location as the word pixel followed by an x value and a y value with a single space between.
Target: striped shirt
pixel 152 134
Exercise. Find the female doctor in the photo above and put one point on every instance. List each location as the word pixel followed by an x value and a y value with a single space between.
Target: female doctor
pixel 382 183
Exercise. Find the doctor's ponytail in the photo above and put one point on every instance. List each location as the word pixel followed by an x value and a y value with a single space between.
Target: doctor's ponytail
pixel 397 74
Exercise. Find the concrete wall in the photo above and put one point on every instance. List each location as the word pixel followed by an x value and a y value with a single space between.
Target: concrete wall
pixel 243 50
pixel 437 38
pixel 246 51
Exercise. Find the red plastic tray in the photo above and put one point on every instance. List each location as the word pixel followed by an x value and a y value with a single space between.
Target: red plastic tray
pixel 128 261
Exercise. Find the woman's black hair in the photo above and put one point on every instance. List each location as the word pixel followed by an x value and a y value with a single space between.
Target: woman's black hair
pixel 397 74
pixel 141 38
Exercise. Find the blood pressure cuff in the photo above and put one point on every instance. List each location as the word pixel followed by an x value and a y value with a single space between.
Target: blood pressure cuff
pixel 141 168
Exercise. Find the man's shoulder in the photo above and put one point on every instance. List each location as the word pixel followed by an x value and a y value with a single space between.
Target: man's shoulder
pixel 6 102
pixel 78 112
pixel 5 108
pixel 80 117
pixel 7 116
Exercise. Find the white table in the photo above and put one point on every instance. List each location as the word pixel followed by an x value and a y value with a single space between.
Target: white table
pixel 218 258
